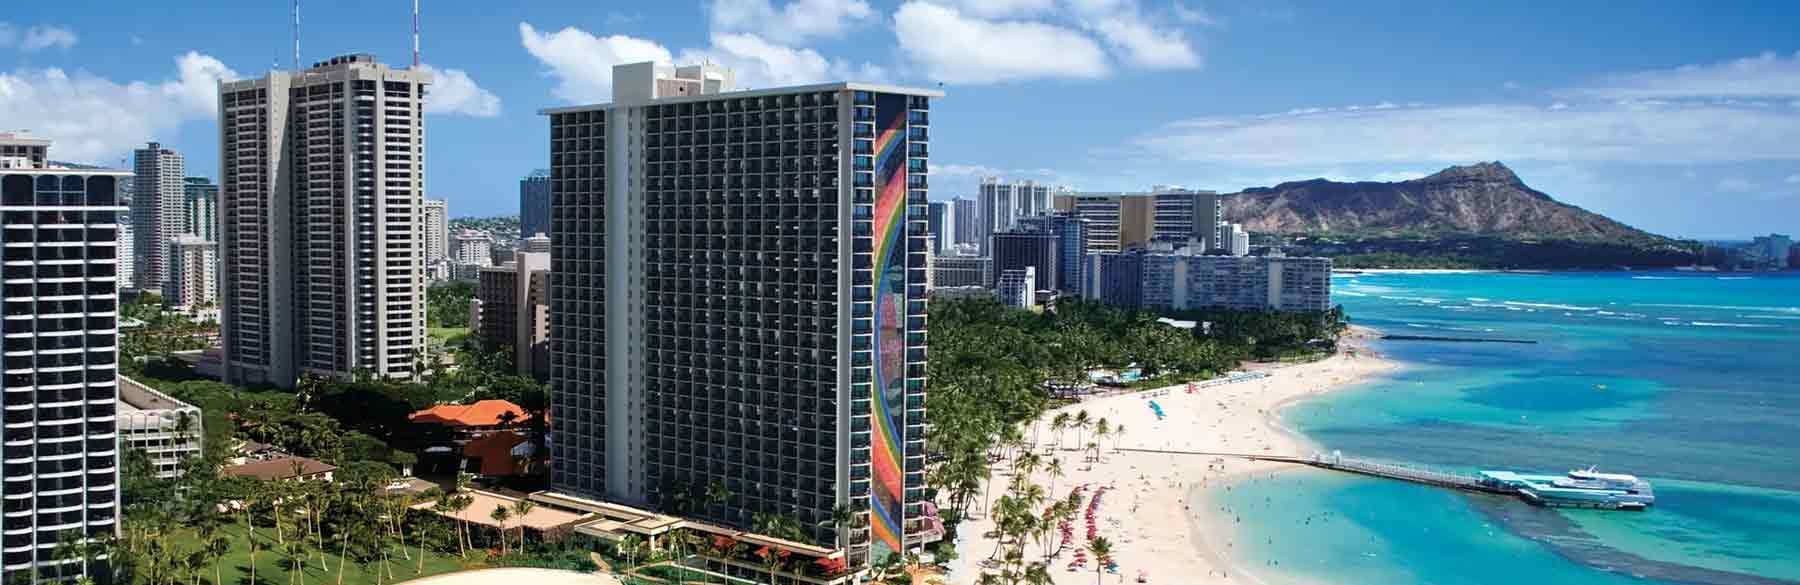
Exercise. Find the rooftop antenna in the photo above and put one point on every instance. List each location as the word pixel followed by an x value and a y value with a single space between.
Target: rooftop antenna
pixel 296 36
pixel 415 34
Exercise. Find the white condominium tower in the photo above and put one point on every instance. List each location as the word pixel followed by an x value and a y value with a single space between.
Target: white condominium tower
pixel 1003 204
pixel 157 199
pixel 322 176
pixel 61 465
pixel 437 229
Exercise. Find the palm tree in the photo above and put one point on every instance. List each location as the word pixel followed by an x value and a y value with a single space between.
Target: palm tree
pixel 1026 464
pixel 1095 447
pixel 1118 431
pixel 1102 429
pixel 627 548
pixel 1055 469
pixel 500 515
pixel 1057 424
pixel 1101 548
pixel 716 494
pixel 521 509
pixel 841 515
pixel 217 546
pixel 444 507
pixel 1080 422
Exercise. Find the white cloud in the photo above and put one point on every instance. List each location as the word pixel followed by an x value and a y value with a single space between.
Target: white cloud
pixel 792 23
pixel 44 37
pixel 452 91
pixel 1735 185
pixel 36 38
pixel 617 19
pixel 950 46
pixel 760 63
pixel 1001 8
pixel 582 63
pixel 1194 15
pixel 1455 134
pixel 1147 46
pixel 1764 76
pixel 1136 39
pixel 955 170
pixel 91 118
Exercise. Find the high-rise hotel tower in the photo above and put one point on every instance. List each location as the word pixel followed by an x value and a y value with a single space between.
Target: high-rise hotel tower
pixel 321 190
pixel 60 474
pixel 738 300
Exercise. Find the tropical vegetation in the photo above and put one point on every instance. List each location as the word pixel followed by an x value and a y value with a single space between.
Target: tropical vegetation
pixel 991 370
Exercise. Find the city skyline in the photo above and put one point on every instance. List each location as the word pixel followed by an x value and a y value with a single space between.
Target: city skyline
pixel 1694 127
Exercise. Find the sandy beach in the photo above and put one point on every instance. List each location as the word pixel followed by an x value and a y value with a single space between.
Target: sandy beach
pixel 1145 510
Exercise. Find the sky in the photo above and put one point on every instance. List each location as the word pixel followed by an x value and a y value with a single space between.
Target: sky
pixel 1682 118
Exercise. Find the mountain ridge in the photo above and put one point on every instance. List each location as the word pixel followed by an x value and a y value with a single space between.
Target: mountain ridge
pixel 1481 199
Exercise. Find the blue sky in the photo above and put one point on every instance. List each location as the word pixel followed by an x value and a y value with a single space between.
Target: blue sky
pixel 1678 117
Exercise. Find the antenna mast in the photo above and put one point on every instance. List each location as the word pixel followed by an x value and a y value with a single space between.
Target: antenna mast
pixel 415 34
pixel 296 36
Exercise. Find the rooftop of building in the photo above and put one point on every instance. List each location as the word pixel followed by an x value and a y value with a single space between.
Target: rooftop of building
pixel 705 82
pixel 482 506
pixel 279 468
pixel 22 138
pixel 485 413
pixel 135 396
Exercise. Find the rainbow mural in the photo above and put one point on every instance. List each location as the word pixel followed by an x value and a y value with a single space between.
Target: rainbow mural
pixel 888 490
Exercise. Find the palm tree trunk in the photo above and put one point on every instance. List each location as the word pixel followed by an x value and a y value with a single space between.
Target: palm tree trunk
pixel 343 553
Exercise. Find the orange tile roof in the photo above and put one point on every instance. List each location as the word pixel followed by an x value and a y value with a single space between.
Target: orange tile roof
pixel 485 413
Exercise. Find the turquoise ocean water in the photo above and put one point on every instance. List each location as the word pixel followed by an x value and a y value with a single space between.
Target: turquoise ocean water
pixel 1689 380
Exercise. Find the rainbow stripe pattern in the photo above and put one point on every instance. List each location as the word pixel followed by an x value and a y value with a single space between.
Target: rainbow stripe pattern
pixel 887 491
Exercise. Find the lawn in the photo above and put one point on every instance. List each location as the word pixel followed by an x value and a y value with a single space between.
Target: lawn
pixel 272 567
pixel 451 336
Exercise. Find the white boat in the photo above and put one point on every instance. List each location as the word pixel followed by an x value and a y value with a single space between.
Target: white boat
pixel 1581 487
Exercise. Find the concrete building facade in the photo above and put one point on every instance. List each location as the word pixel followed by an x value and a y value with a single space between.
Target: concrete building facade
pixel 1018 287
pixel 1235 238
pixel 322 180
pixel 955 271
pixel 167 430
pixel 1116 221
pixel 1001 204
pixel 18 151
pixel 514 311
pixel 157 196
pixel 1184 215
pixel 968 219
pixel 738 296
pixel 59 391
pixel 941 222
pixel 1182 279
pixel 437 229
pixel 472 248
pixel 193 272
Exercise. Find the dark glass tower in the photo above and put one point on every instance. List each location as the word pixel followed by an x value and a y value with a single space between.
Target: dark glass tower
pixel 738 302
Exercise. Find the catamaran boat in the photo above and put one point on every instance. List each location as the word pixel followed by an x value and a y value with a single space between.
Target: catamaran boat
pixel 1578 488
